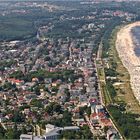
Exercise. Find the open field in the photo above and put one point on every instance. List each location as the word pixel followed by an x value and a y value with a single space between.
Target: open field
pixel 16 28
pixel 104 91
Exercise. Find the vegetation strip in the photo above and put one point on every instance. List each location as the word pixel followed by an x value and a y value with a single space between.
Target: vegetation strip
pixel 123 118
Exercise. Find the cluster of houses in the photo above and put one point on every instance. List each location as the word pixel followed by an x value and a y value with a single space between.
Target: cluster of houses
pixel 31 95
pixel 83 90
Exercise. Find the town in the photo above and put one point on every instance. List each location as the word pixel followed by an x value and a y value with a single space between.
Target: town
pixel 49 85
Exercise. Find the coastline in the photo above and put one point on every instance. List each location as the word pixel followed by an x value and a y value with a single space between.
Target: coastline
pixel 125 47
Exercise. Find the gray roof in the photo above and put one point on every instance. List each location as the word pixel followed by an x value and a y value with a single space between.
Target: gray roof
pixel 50 126
pixel 51 133
pixel 71 128
pixel 26 136
pixel 39 138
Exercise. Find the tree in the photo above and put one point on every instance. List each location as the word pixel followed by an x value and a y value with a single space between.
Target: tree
pixel 17 75
pixel 67 95
pixel 47 58
pixel 2 132
pixel 7 85
pixel 18 117
pixel 53 107
pixel 56 108
pixel 67 118
pixel 37 103
pixel 10 134
pixel 13 133
pixel 37 90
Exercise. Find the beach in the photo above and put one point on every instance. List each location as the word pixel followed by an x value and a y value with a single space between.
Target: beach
pixel 125 45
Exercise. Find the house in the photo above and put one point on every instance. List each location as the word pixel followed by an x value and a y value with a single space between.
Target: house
pixel 50 127
pixel 54 84
pixel 2 119
pixel 76 113
pixel 35 79
pixel 26 137
pixel 112 134
pixel 72 128
pixel 16 81
pixel 53 135
pixel 30 137
pixel 80 122
pixel 93 108
pixel 96 118
pixel 99 108
pixel 105 122
pixel 52 132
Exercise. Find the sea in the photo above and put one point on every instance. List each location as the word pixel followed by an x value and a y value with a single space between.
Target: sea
pixel 136 38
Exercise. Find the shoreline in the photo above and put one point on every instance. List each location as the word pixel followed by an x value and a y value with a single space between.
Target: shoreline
pixel 125 47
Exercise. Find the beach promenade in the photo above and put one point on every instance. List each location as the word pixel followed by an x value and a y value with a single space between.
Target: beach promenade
pixel 125 48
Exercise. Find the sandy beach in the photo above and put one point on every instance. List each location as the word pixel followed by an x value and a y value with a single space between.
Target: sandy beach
pixel 125 48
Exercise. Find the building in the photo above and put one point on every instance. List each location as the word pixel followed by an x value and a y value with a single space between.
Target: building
pixel 30 137
pixel 112 134
pixel 26 137
pixel 52 133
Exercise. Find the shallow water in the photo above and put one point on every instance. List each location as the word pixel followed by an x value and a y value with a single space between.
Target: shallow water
pixel 136 38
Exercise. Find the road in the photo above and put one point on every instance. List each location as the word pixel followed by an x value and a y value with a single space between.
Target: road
pixel 3 125
pixel 89 124
pixel 111 119
pixel 99 53
pixel 99 58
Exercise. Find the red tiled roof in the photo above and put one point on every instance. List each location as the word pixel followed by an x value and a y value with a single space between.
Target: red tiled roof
pixel 15 80
pixel 100 115
pixel 92 100
pixel 106 122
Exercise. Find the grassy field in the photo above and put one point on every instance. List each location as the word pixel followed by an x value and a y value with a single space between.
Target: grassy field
pixel 16 28
pixel 104 91
pixel 124 91
pixel 107 97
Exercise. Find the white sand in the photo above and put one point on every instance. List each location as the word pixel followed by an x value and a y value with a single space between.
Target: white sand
pixel 125 48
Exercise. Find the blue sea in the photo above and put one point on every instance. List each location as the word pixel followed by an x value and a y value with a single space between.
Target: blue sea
pixel 136 36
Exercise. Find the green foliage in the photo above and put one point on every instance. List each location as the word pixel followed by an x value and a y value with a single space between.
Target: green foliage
pixel 67 95
pixel 53 107
pixel 18 117
pixel 64 121
pixel 17 75
pixel 36 103
pixel 21 108
pixel 106 37
pixel 36 89
pixel 111 89
pixel 41 74
pixel 127 122
pixel 114 65
pixel 16 28
pixel 2 132
pixel 110 72
pixel 47 58
pixel 8 86
pixel 85 109
pixel 5 64
pixel 54 89
pixel 83 133
pixel 12 133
